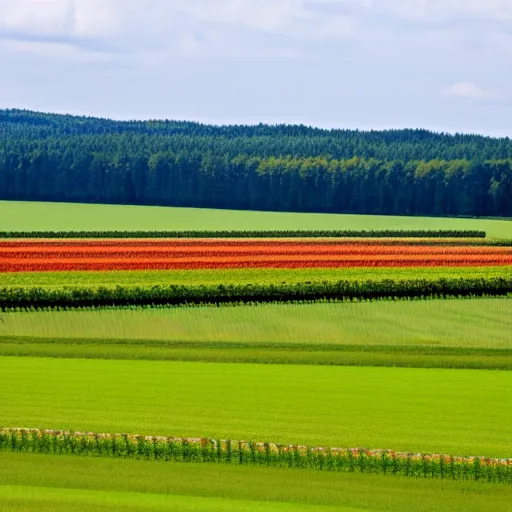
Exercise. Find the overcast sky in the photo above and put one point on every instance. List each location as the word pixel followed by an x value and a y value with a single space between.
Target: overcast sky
pixel 439 64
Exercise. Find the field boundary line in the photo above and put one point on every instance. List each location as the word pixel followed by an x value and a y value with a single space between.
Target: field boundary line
pixel 208 450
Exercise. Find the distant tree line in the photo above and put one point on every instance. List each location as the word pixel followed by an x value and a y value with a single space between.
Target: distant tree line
pixel 287 168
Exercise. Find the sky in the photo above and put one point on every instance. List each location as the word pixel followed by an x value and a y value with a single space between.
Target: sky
pixel 444 65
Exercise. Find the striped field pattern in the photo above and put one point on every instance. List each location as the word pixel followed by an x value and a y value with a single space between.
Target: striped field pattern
pixel 178 254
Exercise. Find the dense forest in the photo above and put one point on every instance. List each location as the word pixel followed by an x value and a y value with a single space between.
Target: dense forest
pixel 52 157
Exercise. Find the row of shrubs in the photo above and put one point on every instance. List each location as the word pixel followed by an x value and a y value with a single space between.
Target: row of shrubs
pixel 83 296
pixel 248 234
pixel 171 449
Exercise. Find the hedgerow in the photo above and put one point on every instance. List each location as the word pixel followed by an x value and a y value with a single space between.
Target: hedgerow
pixel 173 294
pixel 248 234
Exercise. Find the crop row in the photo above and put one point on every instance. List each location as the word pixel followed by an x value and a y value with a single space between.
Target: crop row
pixel 175 243
pixel 41 297
pixel 273 254
pixel 248 234
pixel 247 250
pixel 205 450
pixel 289 262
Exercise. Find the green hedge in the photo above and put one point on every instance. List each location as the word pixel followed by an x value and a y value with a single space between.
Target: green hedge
pixel 41 297
pixel 246 234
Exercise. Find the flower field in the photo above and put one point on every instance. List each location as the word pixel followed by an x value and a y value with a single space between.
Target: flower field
pixel 178 254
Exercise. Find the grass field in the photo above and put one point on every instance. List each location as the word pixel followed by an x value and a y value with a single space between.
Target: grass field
pixel 325 355
pixel 24 216
pixel 484 323
pixel 431 411
pixel 240 276
pixel 471 333
pixel 58 483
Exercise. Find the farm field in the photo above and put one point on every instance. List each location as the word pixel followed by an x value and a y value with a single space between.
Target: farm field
pixel 470 323
pixel 36 216
pixel 30 256
pixel 331 355
pixel 376 343
pixel 416 410
pixel 27 256
pixel 59 483
pixel 429 333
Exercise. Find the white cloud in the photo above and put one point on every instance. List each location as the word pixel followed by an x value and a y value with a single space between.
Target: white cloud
pixel 263 14
pixel 365 63
pixel 97 18
pixel 58 18
pixel 296 18
pixel 438 10
pixel 191 26
pixel 469 91
pixel 495 9
pixel 31 16
pixel 53 50
pixel 105 19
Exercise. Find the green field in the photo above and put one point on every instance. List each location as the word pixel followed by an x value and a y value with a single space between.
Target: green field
pixel 484 323
pixel 57 483
pixel 240 276
pixel 26 216
pixel 471 333
pixel 431 411
pixel 325 355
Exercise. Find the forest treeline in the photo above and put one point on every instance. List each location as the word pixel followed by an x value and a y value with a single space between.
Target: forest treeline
pixel 289 168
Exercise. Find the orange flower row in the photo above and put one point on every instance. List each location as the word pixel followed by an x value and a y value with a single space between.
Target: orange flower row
pixel 104 264
pixel 55 255
pixel 301 250
pixel 234 242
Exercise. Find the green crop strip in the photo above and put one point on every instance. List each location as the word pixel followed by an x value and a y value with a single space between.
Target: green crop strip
pixel 249 234
pixel 328 355
pixel 240 276
pixel 61 483
pixel 205 450
pixel 40 297
pixel 459 333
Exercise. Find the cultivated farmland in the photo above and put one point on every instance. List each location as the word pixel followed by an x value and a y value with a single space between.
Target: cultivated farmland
pixel 342 357
pixel 52 483
pixel 423 333
pixel 456 410
pixel 242 276
pixel 227 254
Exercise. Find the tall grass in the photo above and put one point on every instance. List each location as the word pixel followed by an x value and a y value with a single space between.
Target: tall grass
pixel 462 322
